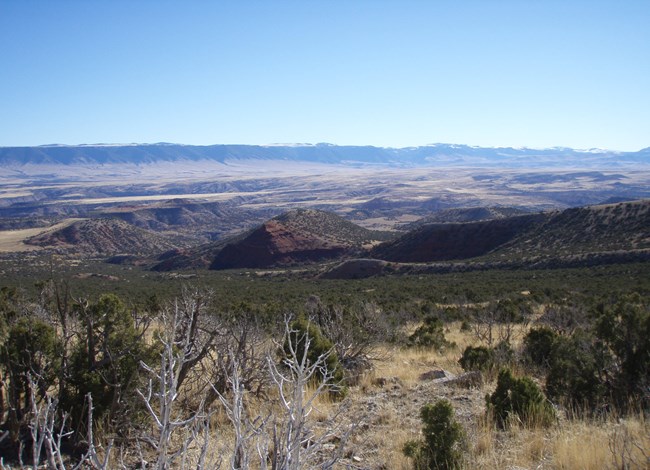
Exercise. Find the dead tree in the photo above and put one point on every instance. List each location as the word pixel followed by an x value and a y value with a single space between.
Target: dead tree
pixel 294 444
pixel 355 332
pixel 179 353
pixel 239 347
pixel 247 431
pixel 193 330
pixel 47 431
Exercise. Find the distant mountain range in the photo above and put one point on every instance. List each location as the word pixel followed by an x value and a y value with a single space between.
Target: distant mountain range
pixel 430 155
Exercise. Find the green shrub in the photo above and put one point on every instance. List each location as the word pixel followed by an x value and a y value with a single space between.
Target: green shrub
pixel 33 348
pixel 624 330
pixel 105 360
pixel 477 358
pixel 608 365
pixel 430 335
pixel 519 397
pixel 8 309
pixel 486 359
pixel 538 346
pixel 510 310
pixel 443 439
pixel 574 376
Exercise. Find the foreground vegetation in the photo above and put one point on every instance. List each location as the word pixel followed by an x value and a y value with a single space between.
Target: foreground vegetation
pixel 240 370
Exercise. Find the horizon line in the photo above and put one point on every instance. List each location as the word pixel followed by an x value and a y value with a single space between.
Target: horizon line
pixel 321 144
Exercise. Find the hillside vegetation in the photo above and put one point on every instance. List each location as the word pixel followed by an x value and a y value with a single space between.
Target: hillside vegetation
pixel 483 336
pixel 199 221
pixel 101 237
pixel 611 227
pixel 611 233
pixel 595 229
pixel 463 215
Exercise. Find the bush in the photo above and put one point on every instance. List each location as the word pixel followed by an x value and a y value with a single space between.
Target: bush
pixel 430 335
pixel 624 330
pixel 105 360
pixel 443 439
pixel 574 375
pixel 477 358
pixel 538 346
pixel 503 354
pixel 486 359
pixel 32 348
pixel 608 366
pixel 520 397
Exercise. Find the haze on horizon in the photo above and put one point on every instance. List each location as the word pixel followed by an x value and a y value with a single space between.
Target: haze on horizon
pixel 383 73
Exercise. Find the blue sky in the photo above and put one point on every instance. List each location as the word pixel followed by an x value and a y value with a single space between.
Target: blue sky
pixel 386 73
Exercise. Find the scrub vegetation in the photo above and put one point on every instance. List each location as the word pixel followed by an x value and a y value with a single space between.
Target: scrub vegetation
pixel 242 369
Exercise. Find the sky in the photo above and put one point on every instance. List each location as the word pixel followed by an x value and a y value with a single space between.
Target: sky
pixel 349 72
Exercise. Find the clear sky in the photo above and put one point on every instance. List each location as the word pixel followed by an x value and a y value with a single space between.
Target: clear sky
pixel 386 73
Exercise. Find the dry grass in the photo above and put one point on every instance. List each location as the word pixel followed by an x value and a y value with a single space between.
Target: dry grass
pixel 384 407
pixel 572 444
pixel 406 365
pixel 607 444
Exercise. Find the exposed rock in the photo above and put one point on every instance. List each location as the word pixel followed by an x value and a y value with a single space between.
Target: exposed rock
pixel 440 242
pixel 295 237
pixel 471 379
pixel 437 374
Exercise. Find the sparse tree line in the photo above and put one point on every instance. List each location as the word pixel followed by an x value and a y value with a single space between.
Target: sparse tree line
pixel 97 384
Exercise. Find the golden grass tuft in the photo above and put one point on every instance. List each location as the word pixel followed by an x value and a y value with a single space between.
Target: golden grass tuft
pixel 606 444
pixel 573 445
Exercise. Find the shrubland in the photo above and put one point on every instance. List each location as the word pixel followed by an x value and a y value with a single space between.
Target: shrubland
pixel 248 371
